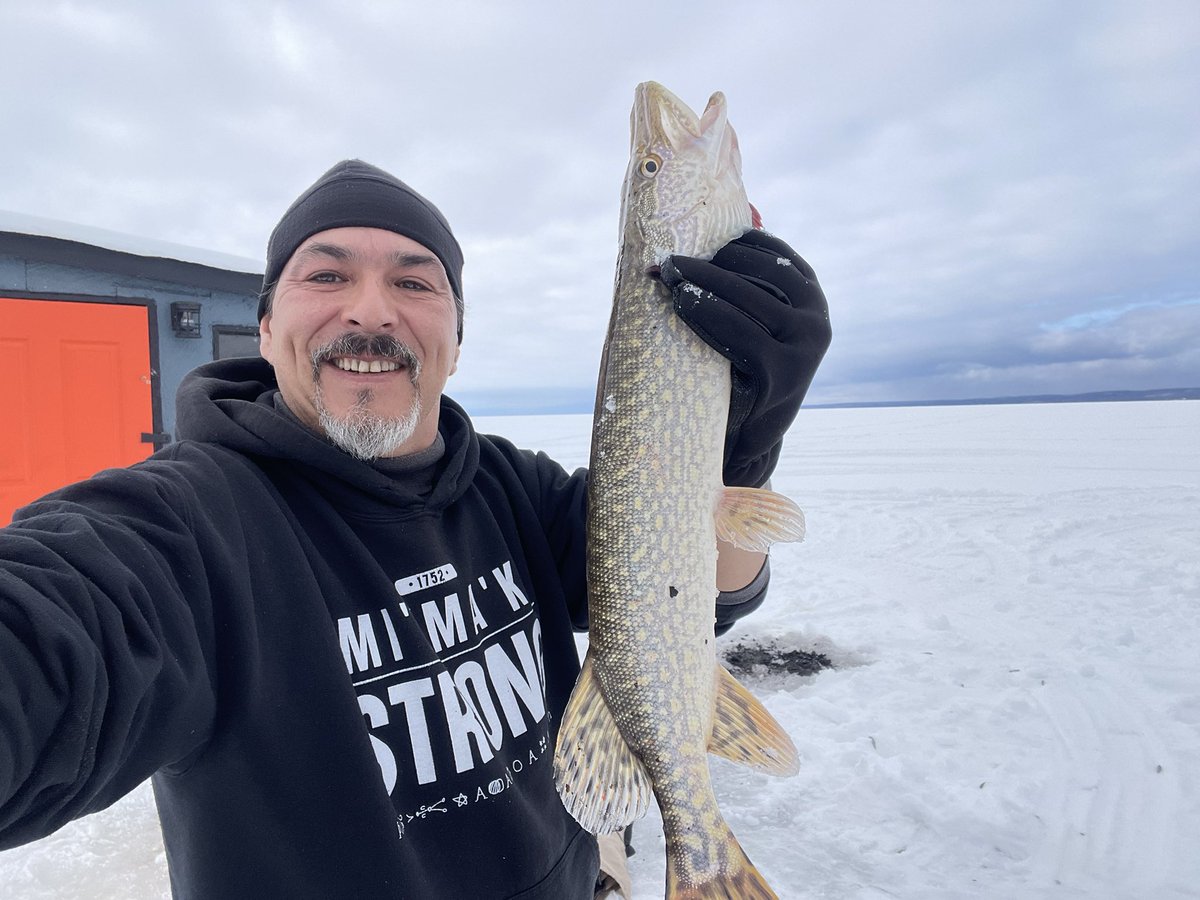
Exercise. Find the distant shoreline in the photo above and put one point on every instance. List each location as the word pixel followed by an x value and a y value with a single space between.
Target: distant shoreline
pixel 567 402
pixel 1090 397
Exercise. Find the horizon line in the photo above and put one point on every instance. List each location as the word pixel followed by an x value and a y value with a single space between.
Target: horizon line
pixel 565 401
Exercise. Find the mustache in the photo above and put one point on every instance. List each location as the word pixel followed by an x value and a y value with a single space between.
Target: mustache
pixel 361 344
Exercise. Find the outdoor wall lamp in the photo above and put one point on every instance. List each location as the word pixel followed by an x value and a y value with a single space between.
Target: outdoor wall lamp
pixel 185 319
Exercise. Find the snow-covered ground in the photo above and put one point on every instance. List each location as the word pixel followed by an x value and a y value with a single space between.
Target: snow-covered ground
pixel 1011 595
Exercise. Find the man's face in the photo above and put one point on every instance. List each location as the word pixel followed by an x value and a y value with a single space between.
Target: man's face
pixel 347 304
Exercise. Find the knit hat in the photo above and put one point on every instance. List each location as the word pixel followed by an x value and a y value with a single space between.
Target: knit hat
pixel 355 193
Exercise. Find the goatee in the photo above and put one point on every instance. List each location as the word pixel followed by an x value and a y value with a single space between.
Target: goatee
pixel 362 433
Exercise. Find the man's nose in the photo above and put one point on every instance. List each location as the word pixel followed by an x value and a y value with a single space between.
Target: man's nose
pixel 370 309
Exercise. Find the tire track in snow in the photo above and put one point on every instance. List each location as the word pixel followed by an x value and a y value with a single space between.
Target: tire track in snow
pixel 1111 810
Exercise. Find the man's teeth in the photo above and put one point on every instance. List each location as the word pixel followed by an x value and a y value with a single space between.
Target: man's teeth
pixel 363 365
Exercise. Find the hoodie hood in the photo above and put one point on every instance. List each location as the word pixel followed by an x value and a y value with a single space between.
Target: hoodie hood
pixel 231 402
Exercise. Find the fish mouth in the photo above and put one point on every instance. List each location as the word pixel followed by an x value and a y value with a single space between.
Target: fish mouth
pixel 360 354
pixel 661 118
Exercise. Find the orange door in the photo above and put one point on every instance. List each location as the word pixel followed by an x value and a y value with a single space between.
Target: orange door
pixel 76 394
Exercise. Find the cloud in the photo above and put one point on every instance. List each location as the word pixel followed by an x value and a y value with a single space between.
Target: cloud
pixel 958 174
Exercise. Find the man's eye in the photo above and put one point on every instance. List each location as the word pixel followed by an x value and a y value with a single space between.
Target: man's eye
pixel 325 277
pixel 410 284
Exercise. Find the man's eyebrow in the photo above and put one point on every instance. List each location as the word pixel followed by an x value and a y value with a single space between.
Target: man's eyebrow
pixel 337 251
pixel 401 258
pixel 405 260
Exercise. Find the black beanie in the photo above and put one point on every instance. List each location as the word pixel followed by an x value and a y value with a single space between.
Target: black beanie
pixel 355 193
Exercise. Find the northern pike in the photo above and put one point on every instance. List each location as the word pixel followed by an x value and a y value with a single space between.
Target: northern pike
pixel 651 700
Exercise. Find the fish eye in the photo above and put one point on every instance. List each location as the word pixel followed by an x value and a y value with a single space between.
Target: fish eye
pixel 650 166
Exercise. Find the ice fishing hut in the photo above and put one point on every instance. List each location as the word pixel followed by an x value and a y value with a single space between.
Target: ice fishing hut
pixel 97 329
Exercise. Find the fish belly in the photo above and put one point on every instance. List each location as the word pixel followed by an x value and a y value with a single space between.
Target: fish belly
pixel 655 479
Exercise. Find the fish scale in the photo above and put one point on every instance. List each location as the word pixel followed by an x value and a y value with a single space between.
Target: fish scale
pixel 651 701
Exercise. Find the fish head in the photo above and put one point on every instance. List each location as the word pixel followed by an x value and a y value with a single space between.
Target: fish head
pixel 683 190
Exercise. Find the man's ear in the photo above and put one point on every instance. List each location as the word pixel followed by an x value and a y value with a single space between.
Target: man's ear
pixel 264 337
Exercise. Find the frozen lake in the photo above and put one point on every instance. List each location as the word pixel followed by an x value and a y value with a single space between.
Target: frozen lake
pixel 1011 597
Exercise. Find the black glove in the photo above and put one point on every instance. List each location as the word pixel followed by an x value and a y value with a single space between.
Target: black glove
pixel 760 307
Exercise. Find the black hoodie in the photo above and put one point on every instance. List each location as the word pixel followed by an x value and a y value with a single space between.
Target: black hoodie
pixel 344 686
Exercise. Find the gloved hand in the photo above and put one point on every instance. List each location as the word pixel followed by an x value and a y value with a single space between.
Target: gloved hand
pixel 759 306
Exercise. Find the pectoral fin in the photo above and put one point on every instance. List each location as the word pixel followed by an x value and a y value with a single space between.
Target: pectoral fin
pixel 755 518
pixel 601 783
pixel 743 730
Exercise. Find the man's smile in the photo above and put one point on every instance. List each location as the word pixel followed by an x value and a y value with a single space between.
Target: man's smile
pixel 366 354
pixel 366 366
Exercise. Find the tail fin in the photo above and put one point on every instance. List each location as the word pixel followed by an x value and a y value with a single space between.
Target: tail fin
pixel 736 878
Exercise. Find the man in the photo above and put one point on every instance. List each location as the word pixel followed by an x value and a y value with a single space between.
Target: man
pixel 332 622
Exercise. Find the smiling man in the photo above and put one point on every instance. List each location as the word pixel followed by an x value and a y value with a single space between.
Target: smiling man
pixel 362 310
pixel 333 623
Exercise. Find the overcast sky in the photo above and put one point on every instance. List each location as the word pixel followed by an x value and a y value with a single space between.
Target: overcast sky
pixel 999 198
